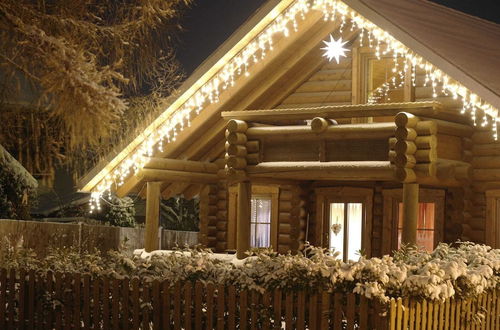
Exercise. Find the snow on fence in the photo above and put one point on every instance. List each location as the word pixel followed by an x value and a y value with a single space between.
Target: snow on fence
pixel 55 301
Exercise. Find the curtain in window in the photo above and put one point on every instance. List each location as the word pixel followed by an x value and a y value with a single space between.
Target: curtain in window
pixel 260 222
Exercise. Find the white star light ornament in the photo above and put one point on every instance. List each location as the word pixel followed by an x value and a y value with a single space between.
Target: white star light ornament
pixel 334 49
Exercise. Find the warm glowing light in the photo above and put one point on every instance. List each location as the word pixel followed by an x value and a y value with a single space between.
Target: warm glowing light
pixel 334 49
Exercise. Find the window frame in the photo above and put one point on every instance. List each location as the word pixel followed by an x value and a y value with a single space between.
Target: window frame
pixel 492 225
pixel 392 198
pixel 325 196
pixel 257 190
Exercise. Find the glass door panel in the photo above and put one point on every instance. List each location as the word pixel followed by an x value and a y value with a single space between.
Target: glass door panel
pixel 346 227
pixel 425 225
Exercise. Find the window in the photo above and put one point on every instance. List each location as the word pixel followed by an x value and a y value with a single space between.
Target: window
pixel 383 83
pixel 343 220
pixel 425 225
pixel 492 230
pixel 430 220
pixel 346 227
pixel 260 221
pixel 263 217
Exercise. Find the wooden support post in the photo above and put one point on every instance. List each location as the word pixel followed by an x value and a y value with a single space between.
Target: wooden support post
pixel 152 216
pixel 243 219
pixel 410 213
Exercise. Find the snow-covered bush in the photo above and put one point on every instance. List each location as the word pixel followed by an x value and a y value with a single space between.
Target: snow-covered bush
pixel 464 270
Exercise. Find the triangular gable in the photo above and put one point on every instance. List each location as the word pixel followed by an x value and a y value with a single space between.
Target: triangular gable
pixel 279 20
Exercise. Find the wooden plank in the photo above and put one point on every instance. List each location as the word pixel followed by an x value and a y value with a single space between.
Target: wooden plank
pixel 289 310
pixel 58 295
pixel 458 314
pixel 392 314
pixel 231 307
pixel 67 295
pixel 198 304
pixel 166 308
pixel 96 310
pixel 243 302
pixel 453 310
pixel 254 311
pixel 187 305
pixel 363 312
pixel 338 310
pixel 22 299
pixel 266 302
pixel 313 310
pixel 418 315
pixel 3 296
pixel 31 299
pixel 351 309
pixel 444 322
pixel 115 303
pixel 136 308
pixel 106 315
pixel 177 306
pixel 156 304
pixel 146 299
pixel 77 298
pixel 277 302
pixel 221 307
pixel 301 310
pixel 406 312
pixel 86 301
pixel 412 314
pixel 41 320
pixel 430 314
pixel 424 315
pixel 210 306
pixel 126 305
pixel 325 310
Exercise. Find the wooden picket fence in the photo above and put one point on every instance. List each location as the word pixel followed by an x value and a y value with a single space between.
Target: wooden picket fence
pixel 74 301
pixel 471 314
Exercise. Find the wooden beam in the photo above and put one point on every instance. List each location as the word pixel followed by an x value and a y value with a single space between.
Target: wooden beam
pixel 333 132
pixel 342 171
pixel 151 241
pixel 180 165
pixel 428 109
pixel 177 176
pixel 243 219
pixel 410 213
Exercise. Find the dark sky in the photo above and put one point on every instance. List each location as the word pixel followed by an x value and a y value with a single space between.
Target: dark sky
pixel 210 22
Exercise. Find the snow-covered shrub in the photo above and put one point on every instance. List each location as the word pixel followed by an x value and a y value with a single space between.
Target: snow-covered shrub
pixel 464 270
pixel 121 212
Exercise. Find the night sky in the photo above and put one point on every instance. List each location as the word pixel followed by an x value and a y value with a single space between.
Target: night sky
pixel 210 22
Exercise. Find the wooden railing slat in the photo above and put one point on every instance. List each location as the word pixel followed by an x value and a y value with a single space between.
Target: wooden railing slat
pixel 136 304
pixel 145 311
pixel 266 302
pixel 3 296
pixel 254 312
pixel 58 295
pixel 231 307
pixel 177 306
pixel 157 310
pixel 86 301
pixel 31 299
pixel 351 306
pixel 22 299
pixel 277 302
pixel 301 310
pixel 325 310
pixel 289 310
pixel 77 286
pixel 363 312
pixel 338 310
pixel 115 303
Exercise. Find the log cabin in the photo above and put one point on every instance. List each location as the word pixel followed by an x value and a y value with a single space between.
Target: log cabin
pixel 356 125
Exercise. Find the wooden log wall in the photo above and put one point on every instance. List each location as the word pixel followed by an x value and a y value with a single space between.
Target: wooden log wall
pixel 454 214
pixel 330 85
pixel 292 218
pixel 378 214
pixel 209 226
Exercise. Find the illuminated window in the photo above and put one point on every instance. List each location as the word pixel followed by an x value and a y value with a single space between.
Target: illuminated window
pixel 346 227
pixel 425 225
pixel 383 83
pixel 260 221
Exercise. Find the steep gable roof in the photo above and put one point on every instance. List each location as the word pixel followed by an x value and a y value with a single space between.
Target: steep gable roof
pixel 407 21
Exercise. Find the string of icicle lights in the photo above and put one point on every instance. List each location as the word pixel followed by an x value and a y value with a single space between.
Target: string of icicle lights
pixel 256 50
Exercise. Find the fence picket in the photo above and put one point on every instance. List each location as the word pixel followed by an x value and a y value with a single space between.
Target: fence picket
pixel 155 292
pixel 301 310
pixel 105 303
pixel 177 306
pixel 254 312
pixel 21 302
pixel 198 306
pixel 231 307
pixel 406 312
pixel 289 310
pixel 165 310
pixel 58 296
pixel 444 323
pixel 126 306
pixel 266 301
pixel 244 309
pixel 313 310
pixel 221 307
pixel 412 314
pixel 3 296
pixel 77 285
pixel 136 304
pixel 277 302
pixel 210 306
pixel 363 312
pixel 96 310
pixel 115 303
pixel 338 310
pixel 31 299
pixel 325 310
pixel 351 305
pixel 418 316
pixel 187 305
pixel 145 308
pixel 86 302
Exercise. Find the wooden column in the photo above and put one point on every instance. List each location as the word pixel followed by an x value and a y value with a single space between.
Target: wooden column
pixel 243 219
pixel 410 213
pixel 152 216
